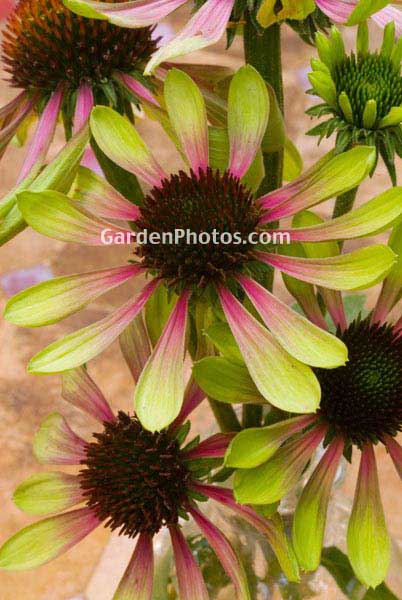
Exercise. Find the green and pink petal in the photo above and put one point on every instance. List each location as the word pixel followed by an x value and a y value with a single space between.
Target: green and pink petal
pixel 46 493
pixel 80 390
pixel 137 581
pixel 55 443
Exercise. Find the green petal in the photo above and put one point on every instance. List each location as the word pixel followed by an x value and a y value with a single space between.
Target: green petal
pixel 226 381
pixel 219 333
pixel 369 548
pixel 44 541
pixel 48 493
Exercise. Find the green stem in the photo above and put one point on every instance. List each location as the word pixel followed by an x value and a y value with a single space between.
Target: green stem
pixel 263 51
pixel 344 203
pixel 252 416
pixel 225 416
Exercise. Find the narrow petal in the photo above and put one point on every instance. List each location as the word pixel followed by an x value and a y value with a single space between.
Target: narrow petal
pixel 119 140
pixel 271 481
pixel 271 528
pixel 213 447
pixel 137 88
pixel 137 581
pixel 340 174
pixel 334 303
pixel 97 196
pixel 191 583
pixel 9 109
pixel 187 112
pixel 253 447
pixel 53 300
pixel 225 553
pixel 395 452
pixel 43 135
pixel 158 400
pixel 82 345
pixel 392 287
pixel 84 105
pixel 387 15
pixel 55 443
pixel 311 510
pixel 193 397
pixel 248 112
pixel 136 346
pixel 369 547
pixel 371 218
pixel 8 131
pixel 281 379
pixel 44 541
pixel 305 295
pixel 81 391
pixel 302 339
pixel 133 14
pixel 53 214
pixel 356 270
pixel 205 28
pixel 45 493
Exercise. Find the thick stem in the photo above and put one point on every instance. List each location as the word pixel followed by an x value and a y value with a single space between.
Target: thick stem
pixel 263 51
pixel 344 203
pixel 225 416
pixel 252 416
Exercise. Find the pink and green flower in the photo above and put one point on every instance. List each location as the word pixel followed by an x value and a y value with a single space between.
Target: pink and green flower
pixel 216 193
pixel 361 406
pixel 133 481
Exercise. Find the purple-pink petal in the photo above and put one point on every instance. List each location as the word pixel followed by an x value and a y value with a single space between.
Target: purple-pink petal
pixel 213 447
pixel 137 581
pixel 137 88
pixel 84 105
pixel 79 389
pixel 189 576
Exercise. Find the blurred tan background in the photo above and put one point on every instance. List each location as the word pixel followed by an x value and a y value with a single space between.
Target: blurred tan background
pixel 25 400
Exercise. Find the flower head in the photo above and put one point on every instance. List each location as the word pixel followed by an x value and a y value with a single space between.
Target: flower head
pixel 215 195
pixel 362 92
pixel 361 406
pixel 133 481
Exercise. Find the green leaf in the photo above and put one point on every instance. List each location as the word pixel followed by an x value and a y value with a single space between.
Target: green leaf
pixel 220 334
pixel 226 381
pixel 157 312
pixel 364 10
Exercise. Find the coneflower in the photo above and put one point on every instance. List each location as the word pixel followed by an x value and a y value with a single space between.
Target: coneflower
pixel 203 200
pixel 361 406
pixel 135 482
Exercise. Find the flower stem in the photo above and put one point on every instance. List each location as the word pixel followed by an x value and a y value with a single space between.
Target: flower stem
pixel 225 416
pixel 252 416
pixel 263 51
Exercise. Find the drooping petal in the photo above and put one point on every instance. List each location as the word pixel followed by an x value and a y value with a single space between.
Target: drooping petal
pixel 137 88
pixel 271 481
pixel 368 542
pixel 81 391
pixel 45 493
pixel 77 348
pixel 369 219
pixel 97 196
pixel 248 113
pixel 8 131
pixel 281 379
pixel 53 300
pixel 340 174
pixel 193 397
pixel 337 10
pixel 389 14
pixel 133 14
pixel 53 214
pixel 45 540
pixel 395 452
pixel 188 115
pixel 356 270
pixel 136 346
pixel 9 109
pixel 205 28
pixel 84 105
pixel 271 528
pixel 213 447
pixel 225 553
pixel 158 400
pixel 55 443
pixel 301 338
pixel 137 581
pixel 189 576
pixel 311 510
pixel 254 446
pixel 120 141
pixel 364 9
pixel 392 287
pixel 43 135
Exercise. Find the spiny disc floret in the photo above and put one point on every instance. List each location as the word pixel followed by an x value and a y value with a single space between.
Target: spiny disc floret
pixel 46 45
pixel 368 77
pixel 363 400
pixel 203 203
pixel 134 479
